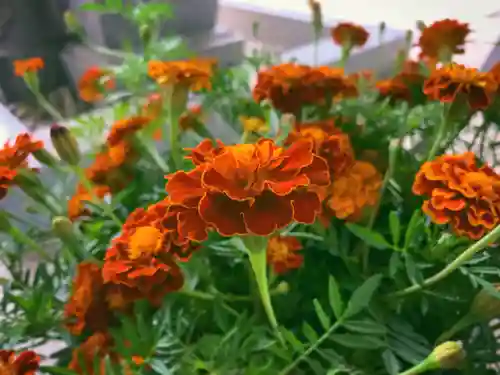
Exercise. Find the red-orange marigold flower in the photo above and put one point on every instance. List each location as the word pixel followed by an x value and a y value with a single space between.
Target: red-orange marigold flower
pixel 456 81
pixel 24 363
pixel 76 205
pixel 143 258
pixel 329 142
pixel 32 65
pixel 349 35
pixel 281 253
pixel 195 74
pixel 394 89
pixel 290 86
pixel 460 193
pixel 355 190
pixel 446 36
pixel 86 308
pixel 94 83
pixel 121 129
pixel 253 188
pixel 7 176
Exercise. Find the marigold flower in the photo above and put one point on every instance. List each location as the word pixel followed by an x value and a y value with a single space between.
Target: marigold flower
pixel 24 363
pixel 330 143
pixel 7 176
pixel 460 193
pixel 290 86
pixel 94 83
pixel 394 89
pixel 195 74
pixel 455 81
pixel 355 190
pixel 143 258
pixel 253 188
pixel 281 253
pixel 32 65
pixel 76 205
pixel 86 308
pixel 446 36
pixel 349 34
pixel 122 129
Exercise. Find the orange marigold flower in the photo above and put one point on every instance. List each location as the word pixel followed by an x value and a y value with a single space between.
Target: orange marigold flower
pixel 76 205
pixel 460 193
pixel 86 308
pixel 394 89
pixel 190 119
pixel 290 86
pixel 143 258
pixel 456 81
pixel 445 36
pixel 349 34
pixel 121 129
pixel 94 83
pixel 195 74
pixel 329 142
pixel 7 176
pixel 355 190
pixel 253 188
pixel 25 363
pixel 281 253
pixel 32 65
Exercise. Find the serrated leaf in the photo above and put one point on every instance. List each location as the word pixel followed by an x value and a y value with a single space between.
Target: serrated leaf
pixel 322 316
pixel 358 341
pixel 391 363
pixel 335 297
pixel 292 340
pixel 395 264
pixel 395 226
pixel 415 222
pixel 362 296
pixel 370 237
pixel 368 327
pixel 309 333
pixel 412 270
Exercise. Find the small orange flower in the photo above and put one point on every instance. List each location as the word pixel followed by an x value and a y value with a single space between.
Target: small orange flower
pixel 281 253
pixel 455 81
pixel 194 74
pixel 349 35
pixel 252 188
pixel 76 205
pixel 290 86
pixel 355 190
pixel 32 65
pixel 143 258
pixel 94 83
pixel 330 143
pixel 121 129
pixel 86 308
pixel 394 89
pixel 446 36
pixel 25 363
pixel 190 119
pixel 460 193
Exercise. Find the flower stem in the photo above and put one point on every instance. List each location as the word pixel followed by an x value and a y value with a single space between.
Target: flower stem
pixel 226 297
pixel 439 136
pixel 177 101
pixel 258 261
pixel 422 367
pixel 21 237
pixel 459 261
pixel 153 153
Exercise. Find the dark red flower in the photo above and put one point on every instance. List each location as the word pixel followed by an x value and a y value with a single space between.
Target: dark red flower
pixel 25 363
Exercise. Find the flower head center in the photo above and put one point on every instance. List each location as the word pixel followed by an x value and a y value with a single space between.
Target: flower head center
pixel 145 241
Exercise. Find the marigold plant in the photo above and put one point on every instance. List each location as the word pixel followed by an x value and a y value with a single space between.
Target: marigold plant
pixel 342 224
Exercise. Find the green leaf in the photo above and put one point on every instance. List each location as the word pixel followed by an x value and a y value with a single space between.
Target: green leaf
pixel 358 341
pixel 56 370
pixel 292 340
pixel 335 298
pixel 368 327
pixel 395 226
pixel 370 237
pixel 391 363
pixel 415 222
pixel 412 270
pixel 322 316
pixel 159 367
pixel 362 296
pixel 309 333
pixel 394 264
pixel 114 5
pixel 488 287
pixel 93 7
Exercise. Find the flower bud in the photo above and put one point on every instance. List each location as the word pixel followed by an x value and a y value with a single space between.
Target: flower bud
pixel 421 26
pixel 45 157
pixel 283 288
pixel 145 34
pixel 448 355
pixel 65 144
pixel 63 228
pixel 485 306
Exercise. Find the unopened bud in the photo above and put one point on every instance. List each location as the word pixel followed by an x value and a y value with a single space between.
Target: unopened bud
pixel 45 157
pixel 63 228
pixel 448 355
pixel 421 26
pixel 485 306
pixel 283 287
pixel 65 144
pixel 145 34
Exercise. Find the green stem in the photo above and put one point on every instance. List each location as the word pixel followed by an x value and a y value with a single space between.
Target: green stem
pixel 419 369
pixel 439 136
pixel 258 260
pixel 311 349
pixel 174 115
pixel 462 324
pixel 459 261
pixel 19 236
pixel 153 153
pixel 98 202
pixel 47 105
pixel 226 297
